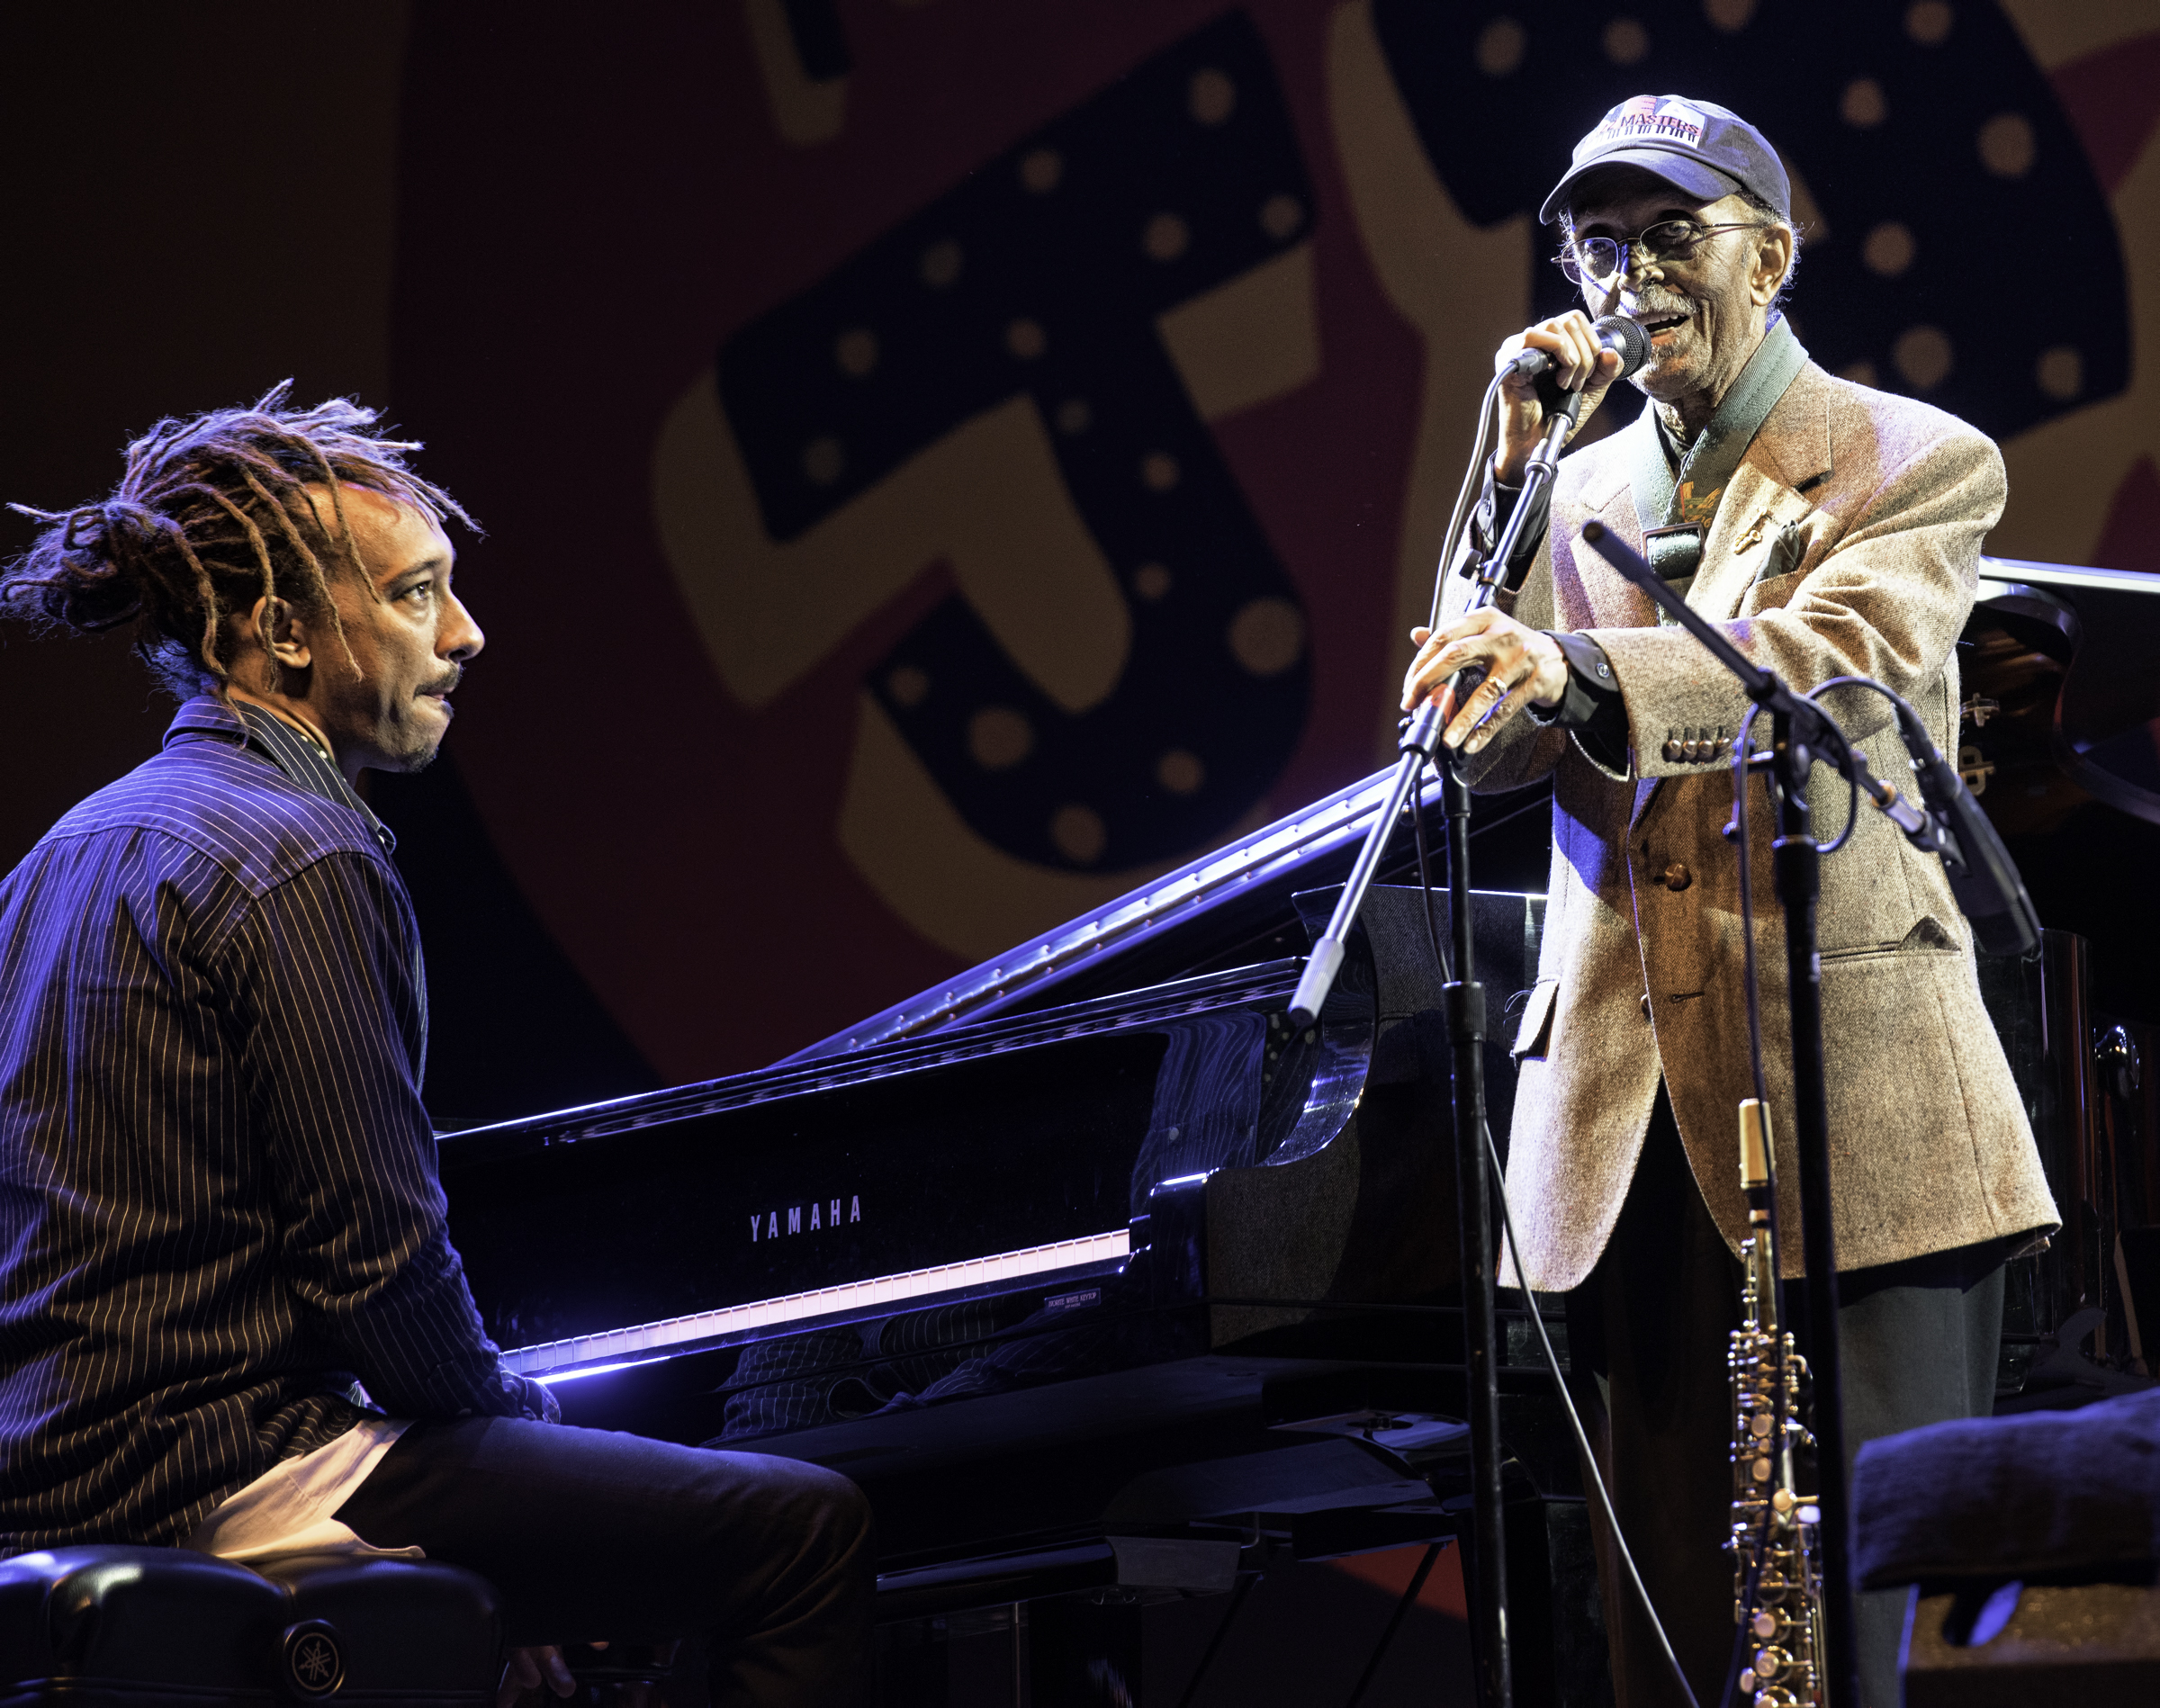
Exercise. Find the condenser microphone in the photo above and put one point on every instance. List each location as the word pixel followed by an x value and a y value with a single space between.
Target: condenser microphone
pixel 1983 876
pixel 1614 332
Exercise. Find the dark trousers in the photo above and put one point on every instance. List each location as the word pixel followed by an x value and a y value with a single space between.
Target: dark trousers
pixel 589 1535
pixel 1919 1342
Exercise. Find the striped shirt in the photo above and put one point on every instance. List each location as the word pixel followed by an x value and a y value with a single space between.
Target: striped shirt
pixel 219 1199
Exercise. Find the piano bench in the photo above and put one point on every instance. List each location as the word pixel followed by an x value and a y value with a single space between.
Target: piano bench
pixel 120 1627
pixel 2033 1645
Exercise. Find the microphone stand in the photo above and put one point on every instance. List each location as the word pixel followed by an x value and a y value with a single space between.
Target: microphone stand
pixel 1464 1005
pixel 1801 733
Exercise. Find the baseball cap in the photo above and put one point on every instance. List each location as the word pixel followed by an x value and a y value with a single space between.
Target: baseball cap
pixel 1696 146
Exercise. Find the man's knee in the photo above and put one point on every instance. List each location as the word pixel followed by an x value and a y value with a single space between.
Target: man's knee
pixel 832 1510
pixel 825 1515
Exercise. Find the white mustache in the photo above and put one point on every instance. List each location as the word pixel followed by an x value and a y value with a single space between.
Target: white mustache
pixel 1643 311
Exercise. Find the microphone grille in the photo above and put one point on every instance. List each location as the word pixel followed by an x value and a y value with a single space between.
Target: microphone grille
pixel 1629 339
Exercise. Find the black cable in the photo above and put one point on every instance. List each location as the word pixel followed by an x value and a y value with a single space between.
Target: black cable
pixel 1814 696
pixel 1473 478
pixel 1582 1440
pixel 1852 778
pixel 1222 1629
pixel 1402 1608
pixel 1541 803
pixel 1852 817
pixel 1747 918
pixel 1425 881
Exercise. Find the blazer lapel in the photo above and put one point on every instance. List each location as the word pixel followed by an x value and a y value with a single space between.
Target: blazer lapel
pixel 1791 452
pixel 1602 596
pixel 1609 600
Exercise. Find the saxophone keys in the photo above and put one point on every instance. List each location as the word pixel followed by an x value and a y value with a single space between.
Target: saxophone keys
pixel 1761 1470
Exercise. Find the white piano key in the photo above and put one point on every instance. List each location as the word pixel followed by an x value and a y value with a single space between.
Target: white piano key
pixel 558 1360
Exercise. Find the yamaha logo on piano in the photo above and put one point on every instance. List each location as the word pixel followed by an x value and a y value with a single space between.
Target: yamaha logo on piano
pixel 803 1218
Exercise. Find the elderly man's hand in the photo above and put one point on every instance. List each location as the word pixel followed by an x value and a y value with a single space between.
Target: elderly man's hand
pixel 1521 665
pixel 1579 363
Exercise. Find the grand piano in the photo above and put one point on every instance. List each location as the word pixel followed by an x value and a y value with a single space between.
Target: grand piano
pixel 1092 1232
pixel 1096 1273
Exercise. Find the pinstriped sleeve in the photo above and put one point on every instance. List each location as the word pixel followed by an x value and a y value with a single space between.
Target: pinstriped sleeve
pixel 330 1000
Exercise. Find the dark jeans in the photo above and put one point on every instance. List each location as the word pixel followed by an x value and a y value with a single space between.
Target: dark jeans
pixel 1919 1343
pixel 589 1535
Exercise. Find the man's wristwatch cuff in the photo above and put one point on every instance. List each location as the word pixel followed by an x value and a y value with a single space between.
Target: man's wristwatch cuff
pixel 1591 684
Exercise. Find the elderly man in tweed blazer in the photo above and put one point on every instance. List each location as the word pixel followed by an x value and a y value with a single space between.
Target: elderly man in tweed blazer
pixel 1832 530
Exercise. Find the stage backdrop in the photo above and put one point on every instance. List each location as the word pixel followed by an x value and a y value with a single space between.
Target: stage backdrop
pixel 943 461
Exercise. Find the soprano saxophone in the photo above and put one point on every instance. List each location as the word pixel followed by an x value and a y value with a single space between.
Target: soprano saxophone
pixel 1777 1557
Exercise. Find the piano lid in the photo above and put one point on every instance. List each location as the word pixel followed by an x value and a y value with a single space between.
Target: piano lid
pixel 1253 875
pixel 1998 574
pixel 2097 710
pixel 1247 879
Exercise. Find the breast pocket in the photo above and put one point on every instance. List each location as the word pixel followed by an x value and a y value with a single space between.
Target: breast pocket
pixel 1771 592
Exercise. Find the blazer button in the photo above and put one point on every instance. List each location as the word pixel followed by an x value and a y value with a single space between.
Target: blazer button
pixel 1672 752
pixel 1678 877
pixel 1645 1004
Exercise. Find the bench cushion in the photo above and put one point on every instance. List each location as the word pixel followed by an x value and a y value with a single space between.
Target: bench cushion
pixel 120 1627
pixel 2011 1497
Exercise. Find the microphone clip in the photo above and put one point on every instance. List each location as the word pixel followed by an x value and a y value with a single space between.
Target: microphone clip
pixel 1556 400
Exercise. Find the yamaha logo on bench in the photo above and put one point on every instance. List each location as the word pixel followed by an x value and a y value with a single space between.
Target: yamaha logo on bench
pixel 314 1664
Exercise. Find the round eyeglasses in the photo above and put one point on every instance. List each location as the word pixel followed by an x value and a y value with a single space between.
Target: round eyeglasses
pixel 1597 259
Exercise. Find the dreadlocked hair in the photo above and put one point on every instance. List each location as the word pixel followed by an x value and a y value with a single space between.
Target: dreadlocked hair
pixel 213 514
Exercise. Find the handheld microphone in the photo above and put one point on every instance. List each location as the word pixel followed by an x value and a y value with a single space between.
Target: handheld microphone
pixel 1614 332
pixel 1983 876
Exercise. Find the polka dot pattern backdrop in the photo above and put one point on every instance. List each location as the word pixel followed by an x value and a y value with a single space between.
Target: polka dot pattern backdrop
pixel 1933 151
pixel 1043 273
pixel 1003 447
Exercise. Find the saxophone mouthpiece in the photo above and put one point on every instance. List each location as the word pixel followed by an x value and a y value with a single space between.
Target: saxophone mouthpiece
pixel 1754 1143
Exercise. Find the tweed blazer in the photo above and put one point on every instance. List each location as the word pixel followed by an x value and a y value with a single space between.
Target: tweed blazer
pixel 1847 543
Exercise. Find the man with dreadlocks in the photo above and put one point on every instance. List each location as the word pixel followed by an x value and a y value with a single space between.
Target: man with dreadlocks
pixel 230 1317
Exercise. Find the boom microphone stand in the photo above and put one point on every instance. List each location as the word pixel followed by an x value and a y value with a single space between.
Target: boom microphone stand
pixel 1801 733
pixel 1463 1004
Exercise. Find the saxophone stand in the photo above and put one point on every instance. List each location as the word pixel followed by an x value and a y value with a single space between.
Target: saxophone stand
pixel 1801 733
pixel 1463 1003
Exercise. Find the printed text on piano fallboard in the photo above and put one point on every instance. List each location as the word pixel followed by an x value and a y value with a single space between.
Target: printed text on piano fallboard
pixel 823 1215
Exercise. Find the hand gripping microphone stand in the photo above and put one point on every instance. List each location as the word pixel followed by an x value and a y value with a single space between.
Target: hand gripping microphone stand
pixel 1801 733
pixel 1463 1000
